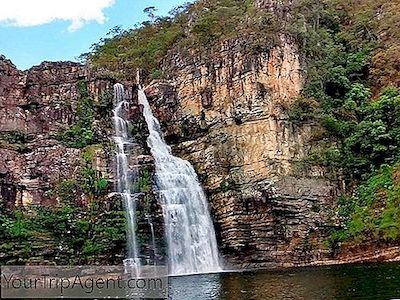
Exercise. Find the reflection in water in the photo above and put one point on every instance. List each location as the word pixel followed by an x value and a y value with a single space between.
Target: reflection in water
pixel 335 282
pixel 204 286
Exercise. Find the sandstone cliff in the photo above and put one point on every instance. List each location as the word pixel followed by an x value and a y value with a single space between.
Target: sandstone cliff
pixel 226 115
pixel 34 106
pixel 41 165
pixel 223 111
pixel 223 107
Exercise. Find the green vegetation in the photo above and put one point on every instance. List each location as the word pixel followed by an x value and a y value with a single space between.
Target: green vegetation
pixel 72 232
pixel 14 137
pixel 352 93
pixel 350 53
pixel 89 179
pixel 225 186
pixel 76 136
pixel 88 182
pixel 144 182
pixel 67 190
pixel 363 134
pixel 338 44
pixel 374 213
pixel 80 135
pixel 72 235
pixel 105 104
pixel 210 22
pixel 358 117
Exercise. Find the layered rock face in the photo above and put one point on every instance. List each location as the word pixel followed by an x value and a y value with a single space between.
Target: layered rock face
pixel 34 106
pixel 225 113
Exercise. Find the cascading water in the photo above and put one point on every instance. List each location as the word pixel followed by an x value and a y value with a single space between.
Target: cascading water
pixel 124 174
pixel 192 246
pixel 153 237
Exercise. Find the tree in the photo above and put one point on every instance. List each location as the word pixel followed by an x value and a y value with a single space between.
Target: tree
pixel 149 11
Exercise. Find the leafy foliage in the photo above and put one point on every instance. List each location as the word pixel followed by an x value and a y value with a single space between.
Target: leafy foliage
pixel 88 181
pixel 80 135
pixel 81 235
pixel 144 182
pixel 350 55
pixel 374 213
pixel 338 44
pixel 14 137
pixel 105 103
pixel 225 186
pixel 67 190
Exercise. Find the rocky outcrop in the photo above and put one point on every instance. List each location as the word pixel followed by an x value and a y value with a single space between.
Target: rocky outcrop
pixel 225 113
pixel 34 106
pixel 223 110
pixel 37 163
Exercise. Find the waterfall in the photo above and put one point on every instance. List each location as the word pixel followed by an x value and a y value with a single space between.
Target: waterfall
pixel 192 246
pixel 153 238
pixel 124 176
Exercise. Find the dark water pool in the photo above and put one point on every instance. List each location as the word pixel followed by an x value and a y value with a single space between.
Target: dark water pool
pixel 335 282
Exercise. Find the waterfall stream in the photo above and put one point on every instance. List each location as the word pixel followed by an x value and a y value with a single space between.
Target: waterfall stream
pixel 190 235
pixel 125 176
pixel 189 231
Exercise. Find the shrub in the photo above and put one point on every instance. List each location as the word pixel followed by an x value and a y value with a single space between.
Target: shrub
pixel 75 235
pixel 374 213
pixel 144 182
pixel 14 137
pixel 303 109
pixel 80 135
pixel 90 181
pixel 225 186
pixel 18 227
pixel 145 46
pixel 66 190
pixel 105 104
pixel 76 137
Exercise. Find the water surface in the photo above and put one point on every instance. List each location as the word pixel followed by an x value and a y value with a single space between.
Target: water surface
pixel 377 281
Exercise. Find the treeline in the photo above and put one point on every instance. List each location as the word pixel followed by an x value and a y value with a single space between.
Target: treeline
pixel 197 27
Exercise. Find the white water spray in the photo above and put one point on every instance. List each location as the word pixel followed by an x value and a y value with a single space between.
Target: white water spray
pixel 125 176
pixel 192 246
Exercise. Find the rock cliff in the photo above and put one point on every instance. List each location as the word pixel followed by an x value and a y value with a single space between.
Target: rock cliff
pixel 46 113
pixel 222 104
pixel 34 106
pixel 225 113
